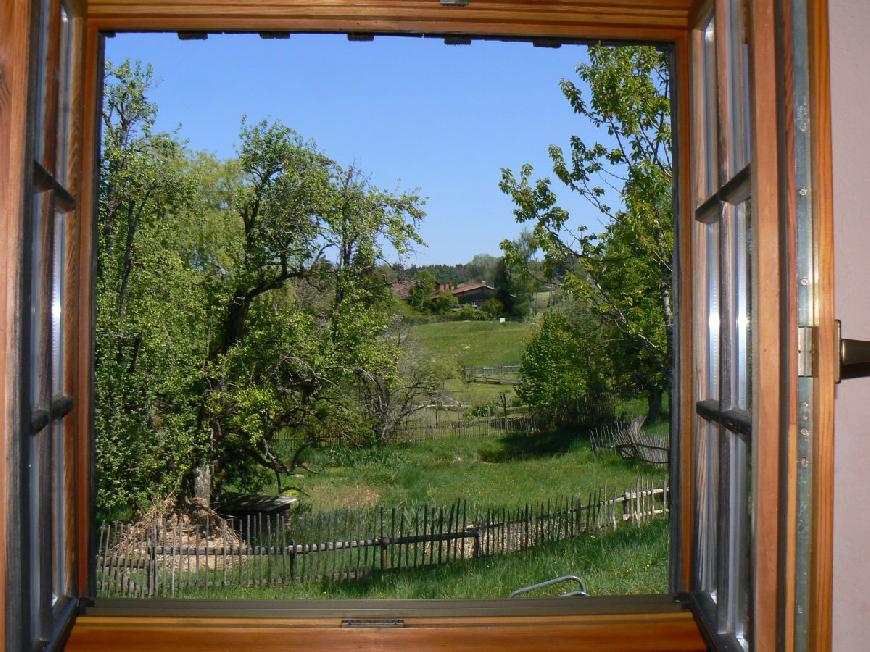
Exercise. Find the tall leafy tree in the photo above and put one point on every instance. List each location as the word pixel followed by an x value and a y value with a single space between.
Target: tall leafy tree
pixel 150 302
pixel 622 273
pixel 277 363
pixel 238 302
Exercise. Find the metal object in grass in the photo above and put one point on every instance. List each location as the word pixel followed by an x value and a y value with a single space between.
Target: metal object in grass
pixel 556 580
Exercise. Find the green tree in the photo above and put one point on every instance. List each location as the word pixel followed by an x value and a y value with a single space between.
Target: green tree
pixel 493 308
pixel 422 289
pixel 565 369
pixel 277 363
pixel 443 302
pixel 150 301
pixel 623 273
pixel 238 302
pixel 389 397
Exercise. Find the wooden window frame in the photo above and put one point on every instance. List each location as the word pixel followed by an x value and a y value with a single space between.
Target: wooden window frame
pixel 773 552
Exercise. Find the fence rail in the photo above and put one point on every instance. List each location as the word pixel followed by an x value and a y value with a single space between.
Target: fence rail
pixel 174 559
pixel 505 374
pixel 631 442
pixel 433 428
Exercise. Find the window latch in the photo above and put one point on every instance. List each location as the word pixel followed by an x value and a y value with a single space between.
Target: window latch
pixel 853 356
pixel 372 623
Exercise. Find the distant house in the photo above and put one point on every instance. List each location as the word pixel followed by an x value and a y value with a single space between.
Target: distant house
pixel 402 289
pixel 473 294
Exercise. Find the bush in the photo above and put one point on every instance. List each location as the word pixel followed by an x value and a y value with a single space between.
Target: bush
pixel 493 308
pixel 566 375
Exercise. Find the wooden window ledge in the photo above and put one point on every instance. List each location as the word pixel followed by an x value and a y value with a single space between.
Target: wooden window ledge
pixel 643 623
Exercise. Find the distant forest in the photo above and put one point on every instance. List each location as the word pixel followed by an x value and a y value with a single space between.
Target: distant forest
pixel 480 268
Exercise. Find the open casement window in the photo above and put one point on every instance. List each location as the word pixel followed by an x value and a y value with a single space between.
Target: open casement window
pixel 48 586
pixel 723 324
pixel 48 590
pixel 733 550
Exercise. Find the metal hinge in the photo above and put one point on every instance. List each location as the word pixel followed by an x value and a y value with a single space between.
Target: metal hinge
pixel 805 351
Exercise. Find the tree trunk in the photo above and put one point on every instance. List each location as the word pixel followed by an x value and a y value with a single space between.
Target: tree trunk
pixel 202 485
pixel 654 405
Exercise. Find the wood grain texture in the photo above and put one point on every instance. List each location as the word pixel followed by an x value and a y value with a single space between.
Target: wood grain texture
pixel 769 311
pixel 683 510
pixel 90 78
pixel 626 633
pixel 822 537
pixel 15 18
pixel 649 19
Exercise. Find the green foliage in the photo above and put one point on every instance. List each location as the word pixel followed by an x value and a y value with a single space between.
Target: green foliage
pixel 443 302
pixel 237 302
pixel 492 308
pixel 150 302
pixel 514 279
pixel 422 289
pixel 623 274
pixel 566 373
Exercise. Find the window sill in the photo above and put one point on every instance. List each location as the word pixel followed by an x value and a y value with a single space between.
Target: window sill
pixel 624 623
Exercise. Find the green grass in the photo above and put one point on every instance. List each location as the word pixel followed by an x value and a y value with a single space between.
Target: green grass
pixel 507 471
pixel 473 343
pixel 477 393
pixel 629 560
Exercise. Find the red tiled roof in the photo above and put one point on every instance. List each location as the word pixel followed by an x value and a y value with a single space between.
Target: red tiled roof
pixel 467 287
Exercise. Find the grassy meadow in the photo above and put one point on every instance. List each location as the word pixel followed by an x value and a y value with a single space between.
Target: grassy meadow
pixel 506 471
pixel 473 344
pixel 629 560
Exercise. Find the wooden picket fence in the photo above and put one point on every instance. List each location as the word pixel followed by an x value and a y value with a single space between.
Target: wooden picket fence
pixel 505 374
pixel 420 429
pixel 171 559
pixel 627 439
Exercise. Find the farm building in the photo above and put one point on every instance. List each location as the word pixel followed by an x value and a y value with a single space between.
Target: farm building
pixel 474 294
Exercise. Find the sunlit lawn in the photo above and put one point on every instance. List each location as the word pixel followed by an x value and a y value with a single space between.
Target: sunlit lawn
pixel 630 560
pixel 507 471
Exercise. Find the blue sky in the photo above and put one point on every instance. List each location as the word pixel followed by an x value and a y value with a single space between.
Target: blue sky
pixel 411 112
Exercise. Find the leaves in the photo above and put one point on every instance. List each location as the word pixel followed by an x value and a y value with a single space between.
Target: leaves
pixel 238 302
pixel 621 275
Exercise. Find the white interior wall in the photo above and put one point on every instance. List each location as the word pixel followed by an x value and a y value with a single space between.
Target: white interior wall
pixel 850 89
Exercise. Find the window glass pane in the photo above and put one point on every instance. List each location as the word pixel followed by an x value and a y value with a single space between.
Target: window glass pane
pixel 707 488
pixel 741 233
pixel 42 80
pixel 739 91
pixel 63 95
pixel 709 109
pixel 39 443
pixel 58 279
pixel 58 287
pixel 59 587
pixel 738 552
pixel 712 291
pixel 39 299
